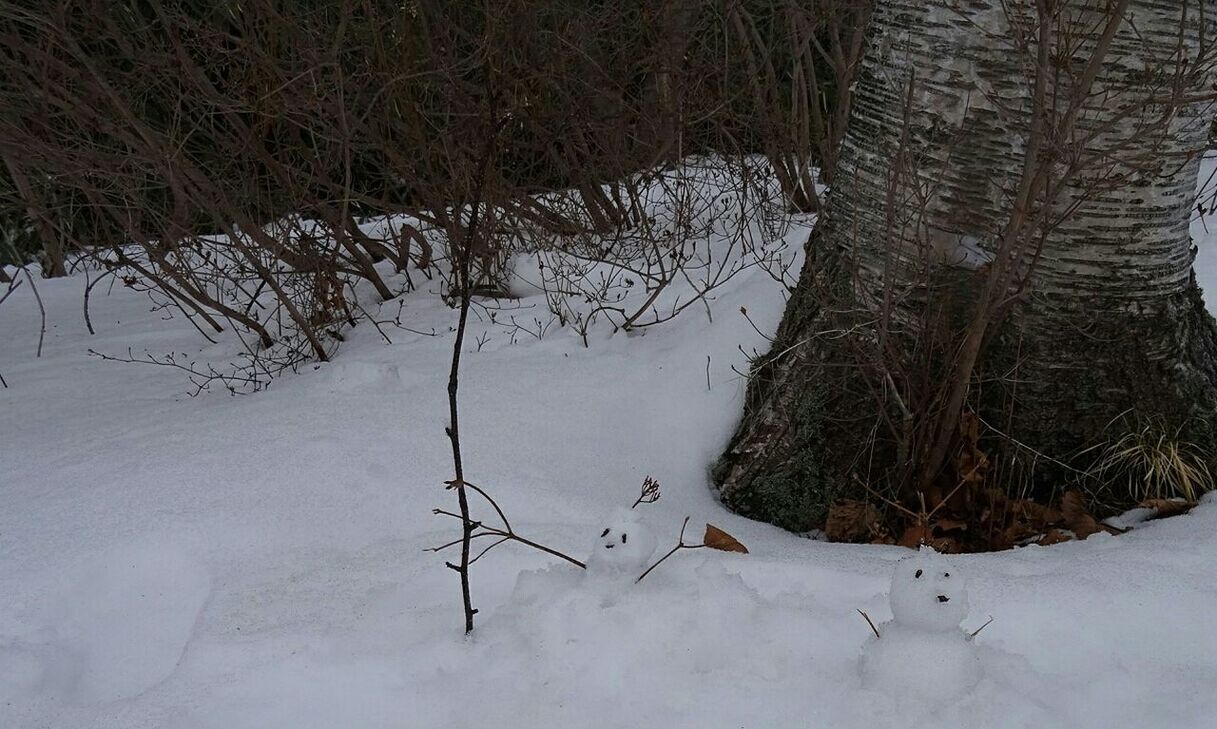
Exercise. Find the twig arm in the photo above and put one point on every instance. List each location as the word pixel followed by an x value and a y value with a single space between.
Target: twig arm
pixel 680 544
pixel 869 622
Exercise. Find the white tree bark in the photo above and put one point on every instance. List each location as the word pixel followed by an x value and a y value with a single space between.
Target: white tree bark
pixel 1101 314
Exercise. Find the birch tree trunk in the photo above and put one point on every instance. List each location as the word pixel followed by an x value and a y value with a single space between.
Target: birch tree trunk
pixel 1026 182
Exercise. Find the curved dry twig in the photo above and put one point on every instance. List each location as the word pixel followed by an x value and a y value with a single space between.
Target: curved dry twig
pixel 680 544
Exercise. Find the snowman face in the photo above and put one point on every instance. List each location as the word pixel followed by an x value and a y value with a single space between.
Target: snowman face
pixel 927 594
pixel 624 544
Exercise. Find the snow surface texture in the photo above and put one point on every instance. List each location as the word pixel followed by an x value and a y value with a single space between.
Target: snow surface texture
pixel 257 562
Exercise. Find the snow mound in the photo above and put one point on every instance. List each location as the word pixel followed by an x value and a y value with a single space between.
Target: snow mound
pixel 909 663
pixel 356 376
pixel 680 639
pixel 111 627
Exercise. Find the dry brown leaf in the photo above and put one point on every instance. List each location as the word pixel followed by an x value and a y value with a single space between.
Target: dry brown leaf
pixel 920 534
pixel 971 464
pixel 915 536
pixel 1055 536
pixel 969 427
pixel 851 521
pixel 1076 517
pixel 1017 532
pixel 718 539
pixel 1168 507
pixel 883 535
pixel 1033 513
pixel 1003 540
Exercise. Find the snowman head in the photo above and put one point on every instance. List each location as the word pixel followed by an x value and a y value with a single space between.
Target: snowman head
pixel 623 544
pixel 927 593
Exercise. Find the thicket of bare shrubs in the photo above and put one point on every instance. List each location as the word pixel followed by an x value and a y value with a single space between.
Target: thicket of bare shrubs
pixel 253 165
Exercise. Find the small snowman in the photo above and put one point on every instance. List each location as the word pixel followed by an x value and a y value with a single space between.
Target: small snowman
pixel 525 275
pixel 923 651
pixel 623 548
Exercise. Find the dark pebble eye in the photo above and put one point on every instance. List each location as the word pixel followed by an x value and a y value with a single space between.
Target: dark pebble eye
pixel 604 533
pixel 946 574
pixel 918 575
pixel 623 536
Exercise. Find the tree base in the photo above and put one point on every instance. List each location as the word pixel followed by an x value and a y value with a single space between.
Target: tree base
pixel 1056 385
pixel 1069 382
pixel 785 463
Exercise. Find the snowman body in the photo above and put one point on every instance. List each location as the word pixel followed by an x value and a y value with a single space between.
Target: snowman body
pixel 525 275
pixel 922 651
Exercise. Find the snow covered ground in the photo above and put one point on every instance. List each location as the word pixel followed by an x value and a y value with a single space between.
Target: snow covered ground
pixel 257 561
